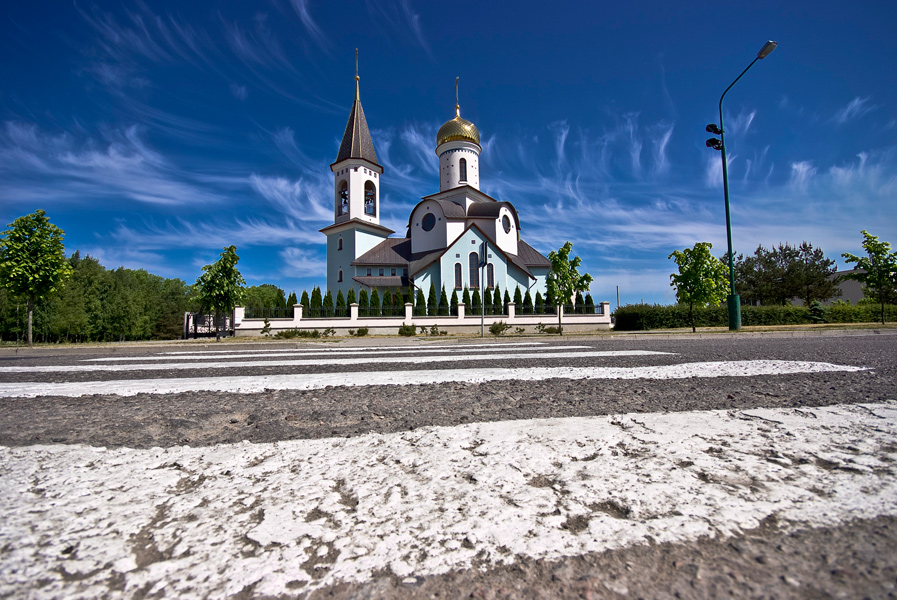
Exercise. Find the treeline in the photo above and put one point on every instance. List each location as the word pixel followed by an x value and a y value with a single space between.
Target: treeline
pixel 97 304
pixel 785 272
pixel 270 303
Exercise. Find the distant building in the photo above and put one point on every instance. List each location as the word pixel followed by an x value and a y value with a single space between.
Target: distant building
pixel 446 231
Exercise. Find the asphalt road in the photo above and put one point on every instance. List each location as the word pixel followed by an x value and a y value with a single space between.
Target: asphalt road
pixel 55 403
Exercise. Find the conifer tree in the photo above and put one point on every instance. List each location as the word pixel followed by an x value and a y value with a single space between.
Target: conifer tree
pixel 291 301
pixel 539 308
pixel 432 302
pixel 518 298
pixel 506 302
pixel 453 306
pixel 476 305
pixel 305 302
pixel 590 305
pixel 487 301
pixel 375 303
pixel 398 303
pixel 528 302
pixel 340 304
pixel 328 304
pixel 465 299
pixel 579 304
pixel 443 310
pixel 363 303
pixel 317 304
pixel 420 304
pixel 497 304
pixel 350 297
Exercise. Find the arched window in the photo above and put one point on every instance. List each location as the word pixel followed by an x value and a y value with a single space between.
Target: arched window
pixel 458 283
pixel 490 277
pixel 343 208
pixel 339 276
pixel 370 198
pixel 339 244
pixel 462 168
pixel 474 270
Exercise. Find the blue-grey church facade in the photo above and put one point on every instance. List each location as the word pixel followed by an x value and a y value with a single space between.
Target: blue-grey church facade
pixel 446 234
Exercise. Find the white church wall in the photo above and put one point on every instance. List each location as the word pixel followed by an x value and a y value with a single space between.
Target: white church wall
pixel 437 237
pixel 506 240
pixel 450 155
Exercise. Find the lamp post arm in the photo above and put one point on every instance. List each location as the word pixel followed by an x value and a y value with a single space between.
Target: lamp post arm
pixel 722 138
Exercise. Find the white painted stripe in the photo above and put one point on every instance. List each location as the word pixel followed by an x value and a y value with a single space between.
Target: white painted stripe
pixel 291 517
pixel 422 343
pixel 423 350
pixel 313 381
pixel 357 360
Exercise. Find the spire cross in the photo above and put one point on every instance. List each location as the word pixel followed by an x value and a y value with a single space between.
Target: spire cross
pixel 457 102
pixel 356 63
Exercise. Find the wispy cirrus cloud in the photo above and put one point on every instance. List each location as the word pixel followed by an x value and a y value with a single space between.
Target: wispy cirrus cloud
pixel 57 168
pixel 302 262
pixel 855 109
pixel 400 21
pixel 311 26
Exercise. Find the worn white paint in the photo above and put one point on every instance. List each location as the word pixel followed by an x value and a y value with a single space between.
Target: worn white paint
pixel 311 381
pixel 311 362
pixel 290 517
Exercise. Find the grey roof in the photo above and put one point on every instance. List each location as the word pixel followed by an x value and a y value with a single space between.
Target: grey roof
pixel 357 141
pixel 490 210
pixel 382 282
pixel 530 256
pixel 397 252
pixel 452 210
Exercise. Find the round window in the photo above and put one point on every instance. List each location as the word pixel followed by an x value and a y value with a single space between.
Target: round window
pixel 428 222
pixel 506 223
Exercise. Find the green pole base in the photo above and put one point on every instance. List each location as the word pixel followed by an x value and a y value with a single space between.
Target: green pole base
pixel 734 302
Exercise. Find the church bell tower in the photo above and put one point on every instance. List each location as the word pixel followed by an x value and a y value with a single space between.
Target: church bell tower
pixel 356 200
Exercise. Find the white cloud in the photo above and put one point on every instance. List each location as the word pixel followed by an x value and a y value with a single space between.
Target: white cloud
pixel 239 91
pixel 301 262
pixel 802 173
pixel 855 109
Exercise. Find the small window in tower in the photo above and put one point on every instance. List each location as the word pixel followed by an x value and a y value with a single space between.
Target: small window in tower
pixel 462 168
pixel 343 198
pixel 339 244
pixel 339 278
pixel 370 198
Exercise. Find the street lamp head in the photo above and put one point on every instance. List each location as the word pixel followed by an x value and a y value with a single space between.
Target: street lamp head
pixel 714 143
pixel 767 49
pixel 713 128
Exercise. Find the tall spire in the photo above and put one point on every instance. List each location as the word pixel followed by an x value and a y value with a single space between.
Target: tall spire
pixel 357 141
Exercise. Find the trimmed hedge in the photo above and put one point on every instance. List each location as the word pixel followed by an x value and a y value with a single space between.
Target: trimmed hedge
pixel 642 317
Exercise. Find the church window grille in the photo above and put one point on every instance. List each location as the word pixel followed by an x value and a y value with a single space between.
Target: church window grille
pixel 458 284
pixel 490 276
pixel 462 168
pixel 370 198
pixel 343 198
pixel 474 261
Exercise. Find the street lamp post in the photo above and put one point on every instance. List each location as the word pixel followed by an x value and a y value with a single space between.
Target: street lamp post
pixel 733 300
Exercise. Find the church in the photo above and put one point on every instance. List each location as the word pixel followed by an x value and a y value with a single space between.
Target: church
pixel 449 234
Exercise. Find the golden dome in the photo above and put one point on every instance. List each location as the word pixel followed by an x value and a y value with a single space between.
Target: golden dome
pixel 458 129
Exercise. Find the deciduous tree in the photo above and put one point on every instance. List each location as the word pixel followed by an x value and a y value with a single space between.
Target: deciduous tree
pixel 879 270
pixel 32 260
pixel 564 280
pixel 220 287
pixel 702 278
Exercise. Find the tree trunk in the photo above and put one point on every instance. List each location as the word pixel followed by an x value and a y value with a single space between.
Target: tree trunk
pixel 691 316
pixel 560 310
pixel 31 314
pixel 217 325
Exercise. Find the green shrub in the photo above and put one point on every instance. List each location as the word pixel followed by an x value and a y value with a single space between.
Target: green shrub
pixel 288 334
pixel 498 328
pixel 550 329
pixel 407 330
pixel 362 331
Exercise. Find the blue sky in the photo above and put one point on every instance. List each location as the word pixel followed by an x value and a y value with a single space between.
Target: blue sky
pixel 157 133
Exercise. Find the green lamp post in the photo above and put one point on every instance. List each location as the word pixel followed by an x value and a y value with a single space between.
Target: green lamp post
pixel 733 300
